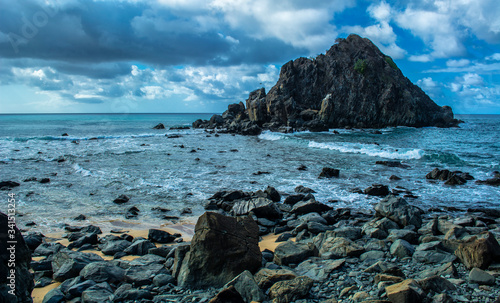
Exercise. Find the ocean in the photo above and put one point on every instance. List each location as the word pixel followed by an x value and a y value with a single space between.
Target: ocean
pixel 106 155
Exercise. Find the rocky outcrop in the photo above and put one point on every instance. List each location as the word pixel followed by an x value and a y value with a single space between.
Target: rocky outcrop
pixel 353 85
pixel 16 280
pixel 222 248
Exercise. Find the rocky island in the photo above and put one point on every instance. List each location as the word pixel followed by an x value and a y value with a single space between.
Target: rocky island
pixel 353 85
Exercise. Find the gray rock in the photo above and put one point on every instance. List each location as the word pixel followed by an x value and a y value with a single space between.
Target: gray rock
pixel 316 228
pixel 53 296
pixel 336 248
pixel 144 274
pixel 318 269
pixel 266 277
pixel 112 247
pixel 68 264
pixel 139 247
pixel 246 286
pixel 97 294
pixel 309 206
pixel 402 249
pixel 404 234
pixel 261 207
pixel 47 249
pixel 433 256
pixel 222 247
pixel 164 279
pixel 372 255
pixel 293 252
pixel 379 228
pixel 103 272
pixel 480 276
pixel 398 210
pixel 77 289
pixel 160 236
pixel 290 290
pixel 349 232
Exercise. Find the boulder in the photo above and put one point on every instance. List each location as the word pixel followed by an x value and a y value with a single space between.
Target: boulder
pixel 273 194
pixel 309 206
pixel 261 207
pixel 291 290
pixel 144 274
pixel 8 185
pixel 265 278
pixel 399 211
pixel 222 248
pixel 408 291
pixel 121 199
pixel 294 252
pixel 17 286
pixel 68 264
pixel 479 251
pixel 139 247
pixel 98 293
pixel 246 286
pixel 159 126
pixel 336 248
pixel 102 271
pixel 480 276
pixel 160 236
pixel 228 295
pixel 377 190
pixel 328 172
pixel 112 247
pixel 401 249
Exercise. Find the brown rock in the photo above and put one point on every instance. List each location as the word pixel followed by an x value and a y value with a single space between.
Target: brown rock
pixel 265 277
pixel 407 291
pixel 479 252
pixel 222 248
pixel 290 290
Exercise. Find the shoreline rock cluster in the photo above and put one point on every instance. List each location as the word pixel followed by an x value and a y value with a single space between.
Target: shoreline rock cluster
pixel 393 253
pixel 353 85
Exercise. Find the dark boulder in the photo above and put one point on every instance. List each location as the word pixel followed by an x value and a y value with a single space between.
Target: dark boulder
pixel 7 185
pixel 121 199
pixel 399 211
pixel 159 126
pixel 222 248
pixel 160 236
pixel 377 190
pixel 68 264
pixel 16 281
pixel 329 172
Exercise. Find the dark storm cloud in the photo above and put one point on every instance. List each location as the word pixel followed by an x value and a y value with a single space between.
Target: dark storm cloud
pixel 89 32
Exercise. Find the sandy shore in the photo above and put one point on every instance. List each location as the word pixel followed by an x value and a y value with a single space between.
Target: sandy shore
pixel 185 229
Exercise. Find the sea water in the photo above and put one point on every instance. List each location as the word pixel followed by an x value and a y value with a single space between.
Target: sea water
pixel 106 155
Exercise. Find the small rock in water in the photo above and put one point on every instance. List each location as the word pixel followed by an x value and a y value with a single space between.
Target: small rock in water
pixel 302 167
pixel 45 180
pixel 329 172
pixel 159 126
pixel 7 185
pixel 80 218
pixel 121 199
pixel 377 190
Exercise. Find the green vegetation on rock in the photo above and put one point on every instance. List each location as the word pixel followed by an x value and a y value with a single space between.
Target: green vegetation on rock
pixel 360 66
pixel 390 62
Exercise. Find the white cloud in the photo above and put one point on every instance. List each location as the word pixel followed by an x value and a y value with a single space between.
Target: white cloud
pixel 457 63
pixel 382 34
pixel 420 58
pixel 494 57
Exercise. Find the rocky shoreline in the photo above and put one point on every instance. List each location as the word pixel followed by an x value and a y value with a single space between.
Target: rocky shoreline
pixel 394 252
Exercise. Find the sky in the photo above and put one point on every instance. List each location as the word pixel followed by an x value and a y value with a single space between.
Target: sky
pixel 196 56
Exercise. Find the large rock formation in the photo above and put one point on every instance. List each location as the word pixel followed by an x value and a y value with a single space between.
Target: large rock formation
pixel 16 280
pixel 221 249
pixel 353 85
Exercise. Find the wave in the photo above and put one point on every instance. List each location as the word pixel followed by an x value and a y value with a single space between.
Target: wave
pixel 370 150
pixel 68 138
pixel 270 136
pixel 81 170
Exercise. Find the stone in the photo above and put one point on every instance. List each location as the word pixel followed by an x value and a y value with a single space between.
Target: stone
pixel 387 278
pixel 112 247
pixel 121 199
pixel 160 236
pixel 318 269
pixel 309 206
pixel 246 286
pixel 481 277
pixel 53 296
pixel 433 257
pixel 33 240
pixel 139 247
pixel 399 211
pixel 379 228
pixel 372 255
pixel 221 248
pixel 479 251
pixel 437 284
pixel 228 295
pixel 159 126
pixel 328 172
pixel 377 190
pixel 98 293
pixel 404 234
pixel 294 252
pixel 68 264
pixel 22 283
pixel 8 185
pixel 336 248
pixel 265 278
pixel 402 249
pixel 164 279
pixel 303 190
pixel 290 290
pixel 293 199
pixel 261 207
pixel 144 274
pixel 407 291
pixel 273 194
pixel 349 232
pixel 77 289
pixel 103 272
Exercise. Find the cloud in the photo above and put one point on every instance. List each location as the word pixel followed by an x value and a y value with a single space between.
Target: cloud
pixel 494 57
pixel 382 33
pixel 474 93
pixel 457 63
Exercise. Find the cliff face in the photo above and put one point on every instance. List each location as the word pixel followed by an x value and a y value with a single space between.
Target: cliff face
pixel 353 85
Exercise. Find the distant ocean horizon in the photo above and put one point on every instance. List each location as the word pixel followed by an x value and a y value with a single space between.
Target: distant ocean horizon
pixel 102 156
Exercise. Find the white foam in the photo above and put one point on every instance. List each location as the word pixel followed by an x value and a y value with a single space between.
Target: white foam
pixel 370 150
pixel 82 170
pixel 267 135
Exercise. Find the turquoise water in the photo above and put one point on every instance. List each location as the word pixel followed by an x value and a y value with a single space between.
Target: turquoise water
pixel 109 155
